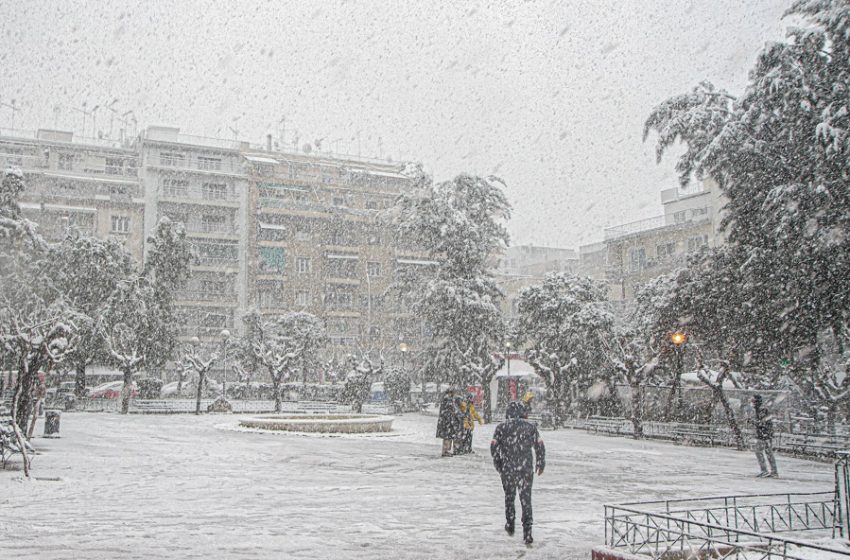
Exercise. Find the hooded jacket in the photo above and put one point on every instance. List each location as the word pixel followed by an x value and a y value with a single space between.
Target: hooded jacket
pixel 512 445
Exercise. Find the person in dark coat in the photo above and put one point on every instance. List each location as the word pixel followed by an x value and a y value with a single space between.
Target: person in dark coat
pixel 447 422
pixel 511 449
pixel 764 438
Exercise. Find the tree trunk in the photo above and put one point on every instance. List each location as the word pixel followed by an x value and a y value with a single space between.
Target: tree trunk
pixel 19 436
pixel 24 391
pixel 637 409
pixel 276 388
pixel 830 417
pixel 201 376
pixel 80 380
pixel 126 391
pixel 730 417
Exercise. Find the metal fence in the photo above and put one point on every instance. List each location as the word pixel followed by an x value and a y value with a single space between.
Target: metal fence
pixel 176 406
pixel 752 527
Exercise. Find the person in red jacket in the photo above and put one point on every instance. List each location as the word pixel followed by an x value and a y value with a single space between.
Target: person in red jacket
pixel 511 449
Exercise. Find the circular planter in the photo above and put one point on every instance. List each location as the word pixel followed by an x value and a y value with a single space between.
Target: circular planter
pixel 322 423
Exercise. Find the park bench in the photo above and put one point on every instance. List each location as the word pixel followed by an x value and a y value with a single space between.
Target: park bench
pixel 811 444
pixel 700 434
pixel 9 443
pixel 606 425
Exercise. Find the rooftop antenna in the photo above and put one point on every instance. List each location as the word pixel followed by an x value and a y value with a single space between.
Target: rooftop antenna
pixel 14 109
pixel 295 141
pixel 86 113
pixel 56 110
pixel 380 147
pixel 111 108
pixel 282 129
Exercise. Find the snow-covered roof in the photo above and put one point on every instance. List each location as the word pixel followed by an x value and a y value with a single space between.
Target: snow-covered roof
pixel 417 262
pixel 261 159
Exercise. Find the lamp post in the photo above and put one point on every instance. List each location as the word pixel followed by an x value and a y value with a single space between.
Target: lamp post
pixel 679 339
pixel 225 335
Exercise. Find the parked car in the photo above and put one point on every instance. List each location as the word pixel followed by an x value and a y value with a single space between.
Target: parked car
pixel 111 390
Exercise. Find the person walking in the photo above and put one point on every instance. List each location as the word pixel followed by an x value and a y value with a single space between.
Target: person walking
pixel 511 449
pixel 470 415
pixel 764 439
pixel 447 421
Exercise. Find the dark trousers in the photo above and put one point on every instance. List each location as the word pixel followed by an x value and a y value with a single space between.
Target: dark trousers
pixel 521 484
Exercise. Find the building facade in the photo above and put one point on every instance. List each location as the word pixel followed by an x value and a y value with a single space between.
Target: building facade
pixel 272 231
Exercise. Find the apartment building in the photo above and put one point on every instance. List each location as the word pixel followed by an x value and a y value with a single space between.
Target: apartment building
pixel 639 251
pixel 88 184
pixel 271 230
pixel 319 242
pixel 202 183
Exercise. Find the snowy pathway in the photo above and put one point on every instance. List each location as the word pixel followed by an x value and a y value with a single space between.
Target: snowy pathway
pixel 188 487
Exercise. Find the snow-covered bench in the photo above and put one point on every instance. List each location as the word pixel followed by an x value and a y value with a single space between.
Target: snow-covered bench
pixel 605 425
pixel 9 443
pixel 810 444
pixel 697 434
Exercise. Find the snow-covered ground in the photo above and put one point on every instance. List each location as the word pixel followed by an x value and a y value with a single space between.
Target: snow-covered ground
pixel 195 487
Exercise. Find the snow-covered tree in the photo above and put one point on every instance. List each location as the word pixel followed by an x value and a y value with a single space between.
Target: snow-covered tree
pixel 284 346
pixel 397 386
pixel 87 270
pixel 138 322
pixel 635 360
pixel 461 223
pixel 565 322
pixel 193 360
pixel 779 152
pixel 361 371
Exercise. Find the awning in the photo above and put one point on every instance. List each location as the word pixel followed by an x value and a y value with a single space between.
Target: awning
pixel 277 227
pixel 261 159
pixel 417 262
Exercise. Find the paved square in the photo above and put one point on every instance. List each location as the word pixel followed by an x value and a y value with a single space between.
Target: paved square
pixel 194 487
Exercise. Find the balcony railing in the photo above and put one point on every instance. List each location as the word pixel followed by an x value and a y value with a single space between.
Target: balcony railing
pixel 198 193
pixel 224 297
pixel 218 261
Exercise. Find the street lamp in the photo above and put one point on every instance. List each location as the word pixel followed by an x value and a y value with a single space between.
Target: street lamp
pixel 225 335
pixel 679 339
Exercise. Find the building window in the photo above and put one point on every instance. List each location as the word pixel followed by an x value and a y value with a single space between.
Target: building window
pixel 694 243
pixel 637 259
pixel 171 159
pixel 114 166
pixel 217 253
pixel 272 259
pixel 373 269
pixel 375 331
pixel 341 268
pixel 303 297
pixel 66 162
pixel 175 188
pixel 213 287
pixel 699 212
pixel 372 204
pixel 214 191
pixel 209 163
pixel 120 224
pixel 665 250
pixel 213 223
pixel 303 265
pixel 680 217
pixel 339 201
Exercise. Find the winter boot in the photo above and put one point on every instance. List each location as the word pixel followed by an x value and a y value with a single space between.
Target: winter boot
pixel 526 536
pixel 509 528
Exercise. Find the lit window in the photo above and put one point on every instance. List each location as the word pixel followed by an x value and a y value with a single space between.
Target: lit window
pixel 373 269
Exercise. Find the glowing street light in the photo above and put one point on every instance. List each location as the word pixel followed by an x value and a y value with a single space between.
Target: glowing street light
pixel 678 338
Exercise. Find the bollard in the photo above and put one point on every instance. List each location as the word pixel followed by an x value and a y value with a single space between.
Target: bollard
pixel 51 423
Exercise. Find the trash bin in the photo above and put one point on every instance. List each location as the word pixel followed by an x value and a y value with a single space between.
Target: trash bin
pixel 51 423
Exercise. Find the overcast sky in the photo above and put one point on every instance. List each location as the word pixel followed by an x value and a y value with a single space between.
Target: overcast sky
pixel 551 96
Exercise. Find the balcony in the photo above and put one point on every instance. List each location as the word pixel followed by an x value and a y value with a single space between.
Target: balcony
pixel 199 195
pixel 219 297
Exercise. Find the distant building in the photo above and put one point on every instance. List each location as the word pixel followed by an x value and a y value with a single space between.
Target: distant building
pixel 526 265
pixel 273 231
pixel 91 185
pixel 639 251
